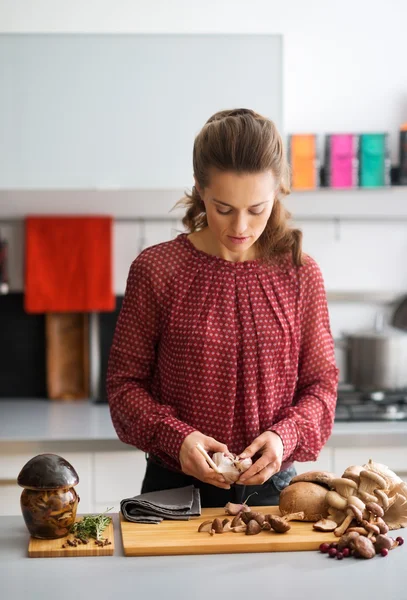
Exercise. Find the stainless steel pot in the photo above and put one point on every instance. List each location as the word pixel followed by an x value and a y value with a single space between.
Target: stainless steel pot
pixel 376 359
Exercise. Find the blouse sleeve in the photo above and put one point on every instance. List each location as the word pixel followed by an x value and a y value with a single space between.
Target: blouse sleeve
pixel 138 418
pixel 306 426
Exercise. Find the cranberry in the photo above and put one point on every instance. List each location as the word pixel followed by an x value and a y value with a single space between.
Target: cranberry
pixel 332 552
pixel 384 552
pixel 400 540
pixel 333 545
pixel 345 552
pixel 339 555
pixel 324 548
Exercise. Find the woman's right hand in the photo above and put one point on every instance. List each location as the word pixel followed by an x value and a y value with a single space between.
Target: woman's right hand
pixel 194 464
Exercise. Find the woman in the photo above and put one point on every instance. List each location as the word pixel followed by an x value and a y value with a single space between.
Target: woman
pixel 224 335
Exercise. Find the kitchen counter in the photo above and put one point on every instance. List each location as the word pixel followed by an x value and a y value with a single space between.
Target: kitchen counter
pixel 279 575
pixel 84 425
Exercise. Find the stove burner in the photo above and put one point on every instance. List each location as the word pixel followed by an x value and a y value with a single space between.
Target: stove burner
pixel 354 405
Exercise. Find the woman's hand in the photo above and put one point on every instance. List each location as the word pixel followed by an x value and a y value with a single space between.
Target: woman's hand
pixel 193 463
pixel 271 448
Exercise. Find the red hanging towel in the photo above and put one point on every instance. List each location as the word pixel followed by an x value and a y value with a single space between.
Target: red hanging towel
pixel 68 264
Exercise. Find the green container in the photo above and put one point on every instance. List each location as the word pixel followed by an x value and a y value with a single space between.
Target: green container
pixel 374 160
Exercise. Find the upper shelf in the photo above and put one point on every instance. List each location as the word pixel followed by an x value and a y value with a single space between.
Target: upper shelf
pixel 127 204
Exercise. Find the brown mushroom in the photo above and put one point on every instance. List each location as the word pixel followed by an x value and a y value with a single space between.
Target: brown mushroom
pixel 383 541
pixel 375 509
pixel 325 525
pixel 205 526
pixel 253 527
pixel 306 497
pixel 347 539
pixel 320 477
pixel 217 525
pixel 278 524
pixel 364 547
pixel 382 498
pixel 237 520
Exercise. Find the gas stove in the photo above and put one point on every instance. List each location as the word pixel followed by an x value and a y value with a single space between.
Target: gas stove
pixel 356 405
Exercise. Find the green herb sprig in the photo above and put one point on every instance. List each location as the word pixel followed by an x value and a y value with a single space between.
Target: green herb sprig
pixel 91 525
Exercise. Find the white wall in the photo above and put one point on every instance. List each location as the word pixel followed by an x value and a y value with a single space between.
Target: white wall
pixel 344 70
pixel 344 66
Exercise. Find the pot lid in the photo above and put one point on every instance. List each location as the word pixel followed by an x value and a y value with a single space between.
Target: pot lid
pixel 386 332
pixel 47 471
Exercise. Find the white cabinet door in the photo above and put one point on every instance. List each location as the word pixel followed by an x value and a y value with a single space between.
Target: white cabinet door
pixel 118 475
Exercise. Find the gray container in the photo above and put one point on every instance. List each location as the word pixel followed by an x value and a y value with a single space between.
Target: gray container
pixel 376 360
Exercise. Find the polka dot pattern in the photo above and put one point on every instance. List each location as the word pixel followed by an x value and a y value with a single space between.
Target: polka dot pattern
pixel 229 349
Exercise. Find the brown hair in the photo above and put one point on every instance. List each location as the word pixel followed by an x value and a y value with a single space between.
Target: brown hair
pixel 244 141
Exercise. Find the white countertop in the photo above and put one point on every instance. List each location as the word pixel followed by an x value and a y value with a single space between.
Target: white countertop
pixel 277 575
pixel 87 425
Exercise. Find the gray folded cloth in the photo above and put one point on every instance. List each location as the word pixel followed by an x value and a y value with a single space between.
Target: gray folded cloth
pixel 178 504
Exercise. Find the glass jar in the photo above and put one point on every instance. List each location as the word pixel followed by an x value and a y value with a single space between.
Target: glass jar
pixel 49 500
pixel 49 514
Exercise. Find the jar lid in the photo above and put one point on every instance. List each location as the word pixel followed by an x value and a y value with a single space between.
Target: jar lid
pixel 47 472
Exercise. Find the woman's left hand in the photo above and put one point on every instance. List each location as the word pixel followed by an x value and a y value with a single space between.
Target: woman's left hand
pixel 271 448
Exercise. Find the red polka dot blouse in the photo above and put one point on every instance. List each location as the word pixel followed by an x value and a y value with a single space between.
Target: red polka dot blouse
pixel 229 349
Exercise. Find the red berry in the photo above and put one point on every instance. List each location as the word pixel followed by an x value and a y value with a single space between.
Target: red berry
pixel 400 540
pixel 384 552
pixel 345 552
pixel 333 545
pixel 332 552
pixel 339 555
pixel 324 548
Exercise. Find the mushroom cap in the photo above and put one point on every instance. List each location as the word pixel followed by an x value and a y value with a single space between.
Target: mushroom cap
pixel 353 472
pixel 306 497
pixel 377 479
pixel 47 472
pixel 321 477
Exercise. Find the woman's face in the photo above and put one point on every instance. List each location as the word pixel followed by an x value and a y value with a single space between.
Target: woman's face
pixel 238 207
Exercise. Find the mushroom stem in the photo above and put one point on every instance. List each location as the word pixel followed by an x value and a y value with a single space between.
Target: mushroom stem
pixel 298 516
pixel 344 525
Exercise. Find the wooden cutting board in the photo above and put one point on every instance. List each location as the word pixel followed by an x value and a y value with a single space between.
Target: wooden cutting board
pixel 182 537
pixel 53 548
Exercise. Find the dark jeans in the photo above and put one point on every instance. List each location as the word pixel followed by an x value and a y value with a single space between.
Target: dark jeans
pixel 157 477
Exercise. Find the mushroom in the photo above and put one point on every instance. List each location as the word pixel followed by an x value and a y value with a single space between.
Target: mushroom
pixel 354 509
pixel 325 525
pixel 364 547
pixel 253 527
pixel 229 465
pixel 396 515
pixel 205 526
pixel 369 481
pixel 306 497
pixel 280 524
pixel 389 476
pixel 382 498
pixel 383 541
pixel 321 477
pixel 353 472
pixel 336 500
pixel 345 487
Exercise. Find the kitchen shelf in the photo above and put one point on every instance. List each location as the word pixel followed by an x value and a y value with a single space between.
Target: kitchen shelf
pixel 322 204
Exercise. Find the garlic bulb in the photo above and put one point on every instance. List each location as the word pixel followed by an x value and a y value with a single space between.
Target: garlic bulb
pixel 230 467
